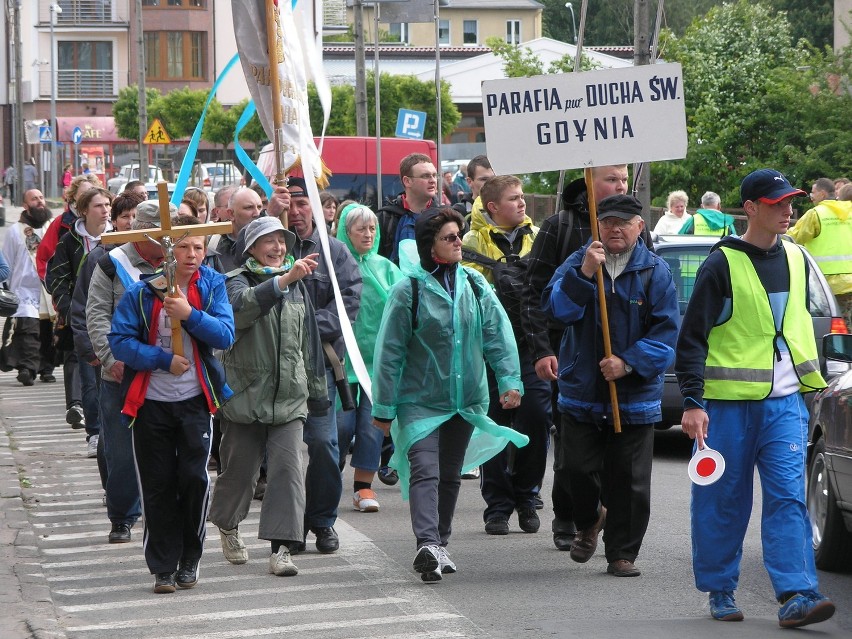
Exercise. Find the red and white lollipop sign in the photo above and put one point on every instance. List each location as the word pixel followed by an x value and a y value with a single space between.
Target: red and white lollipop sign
pixel 706 466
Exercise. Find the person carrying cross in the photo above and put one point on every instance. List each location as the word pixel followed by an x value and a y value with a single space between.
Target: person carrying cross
pixel 169 399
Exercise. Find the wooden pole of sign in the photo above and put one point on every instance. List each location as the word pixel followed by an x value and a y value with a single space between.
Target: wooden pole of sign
pixel 275 51
pixel 596 236
pixel 166 236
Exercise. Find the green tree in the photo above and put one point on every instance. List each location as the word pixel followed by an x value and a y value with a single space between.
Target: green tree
pixel 125 110
pixel 396 92
pixel 219 126
pixel 181 110
pixel 754 99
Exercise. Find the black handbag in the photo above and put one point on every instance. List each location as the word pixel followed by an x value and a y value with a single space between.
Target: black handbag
pixel 8 302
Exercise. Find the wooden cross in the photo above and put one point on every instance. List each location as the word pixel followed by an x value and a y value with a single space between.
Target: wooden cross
pixel 167 236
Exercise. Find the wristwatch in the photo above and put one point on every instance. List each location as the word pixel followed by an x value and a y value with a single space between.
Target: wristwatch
pixel 627 368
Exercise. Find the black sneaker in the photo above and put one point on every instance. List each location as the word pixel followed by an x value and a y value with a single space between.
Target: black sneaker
pixel 497 525
pixel 327 539
pixel 75 417
pixel 388 476
pixel 47 378
pixel 120 534
pixel 164 582
pixel 187 574
pixel 528 520
pixel 538 502
pixel 25 377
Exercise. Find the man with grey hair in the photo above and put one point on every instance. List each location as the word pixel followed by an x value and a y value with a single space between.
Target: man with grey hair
pixel 709 219
pixel 822 189
pixel 115 271
pixel 220 202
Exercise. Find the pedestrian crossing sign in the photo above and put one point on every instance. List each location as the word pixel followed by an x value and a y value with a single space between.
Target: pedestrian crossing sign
pixel 157 134
pixel 44 134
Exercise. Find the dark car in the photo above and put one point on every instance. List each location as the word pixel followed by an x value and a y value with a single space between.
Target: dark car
pixel 829 491
pixel 684 254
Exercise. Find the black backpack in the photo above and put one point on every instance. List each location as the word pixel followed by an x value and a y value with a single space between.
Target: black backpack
pixel 415 298
pixel 508 274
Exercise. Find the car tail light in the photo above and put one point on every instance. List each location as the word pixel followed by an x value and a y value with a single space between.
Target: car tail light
pixel 838 325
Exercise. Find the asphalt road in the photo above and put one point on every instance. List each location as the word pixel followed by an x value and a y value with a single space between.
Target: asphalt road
pixel 512 587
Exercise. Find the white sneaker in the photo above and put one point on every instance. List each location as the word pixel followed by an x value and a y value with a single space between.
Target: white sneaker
pixel 427 563
pixel 233 546
pixel 445 564
pixel 281 564
pixel 472 474
pixel 92 447
pixel 365 501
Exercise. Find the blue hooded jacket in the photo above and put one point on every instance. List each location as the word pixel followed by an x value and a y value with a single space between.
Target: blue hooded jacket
pixel 643 331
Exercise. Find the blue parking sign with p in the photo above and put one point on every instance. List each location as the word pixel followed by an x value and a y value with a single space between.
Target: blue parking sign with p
pixel 410 124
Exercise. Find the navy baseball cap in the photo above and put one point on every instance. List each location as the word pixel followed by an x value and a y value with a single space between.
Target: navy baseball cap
pixel 297 186
pixel 767 185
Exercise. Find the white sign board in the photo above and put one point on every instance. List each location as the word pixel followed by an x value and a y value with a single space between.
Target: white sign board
pixel 579 120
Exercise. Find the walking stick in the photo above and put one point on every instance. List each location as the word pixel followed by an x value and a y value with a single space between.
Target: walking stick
pixel 593 219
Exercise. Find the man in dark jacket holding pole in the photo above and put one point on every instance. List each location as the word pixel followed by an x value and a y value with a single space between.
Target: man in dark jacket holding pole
pixel 642 302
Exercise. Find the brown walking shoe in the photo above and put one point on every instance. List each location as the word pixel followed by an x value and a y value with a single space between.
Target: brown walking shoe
pixel 586 541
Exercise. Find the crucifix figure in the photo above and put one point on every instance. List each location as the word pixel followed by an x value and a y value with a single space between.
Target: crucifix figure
pixel 166 236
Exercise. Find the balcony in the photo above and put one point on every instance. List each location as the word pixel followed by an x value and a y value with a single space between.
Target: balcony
pixel 72 84
pixel 85 13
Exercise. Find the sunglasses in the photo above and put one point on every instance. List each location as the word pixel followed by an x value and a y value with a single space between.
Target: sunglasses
pixel 451 238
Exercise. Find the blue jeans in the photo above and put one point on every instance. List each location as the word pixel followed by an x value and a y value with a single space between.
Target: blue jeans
pixel 122 487
pixel 88 376
pixel 323 482
pixel 358 423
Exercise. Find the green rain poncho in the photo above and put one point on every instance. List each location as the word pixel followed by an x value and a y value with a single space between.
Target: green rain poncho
pixel 378 274
pixel 421 380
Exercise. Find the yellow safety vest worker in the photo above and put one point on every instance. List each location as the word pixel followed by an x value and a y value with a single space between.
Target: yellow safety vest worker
pixel 700 227
pixel 740 353
pixel 832 248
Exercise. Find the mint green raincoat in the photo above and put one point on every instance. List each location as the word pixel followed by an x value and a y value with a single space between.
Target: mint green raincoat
pixel 424 378
pixel 378 275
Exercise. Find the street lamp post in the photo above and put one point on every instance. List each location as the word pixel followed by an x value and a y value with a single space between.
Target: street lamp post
pixel 54 178
pixel 570 8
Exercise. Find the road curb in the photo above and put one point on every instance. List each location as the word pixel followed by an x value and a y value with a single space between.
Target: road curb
pixel 29 611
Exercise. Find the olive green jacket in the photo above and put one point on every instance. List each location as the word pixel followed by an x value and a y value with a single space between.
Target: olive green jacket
pixel 275 365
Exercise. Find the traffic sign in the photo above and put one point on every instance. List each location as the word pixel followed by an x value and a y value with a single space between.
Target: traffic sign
pixel 44 135
pixel 77 135
pixel 410 124
pixel 157 134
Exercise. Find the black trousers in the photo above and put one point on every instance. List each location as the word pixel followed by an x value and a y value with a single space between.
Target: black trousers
pixel 511 479
pixel 171 444
pixel 32 345
pixel 619 465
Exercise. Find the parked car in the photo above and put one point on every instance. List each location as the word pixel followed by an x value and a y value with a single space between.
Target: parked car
pixel 684 254
pixel 212 176
pixel 151 187
pixel 129 173
pixel 829 487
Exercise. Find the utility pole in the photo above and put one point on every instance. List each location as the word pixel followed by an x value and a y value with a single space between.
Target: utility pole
pixel 18 124
pixel 642 56
pixel 361 128
pixel 143 102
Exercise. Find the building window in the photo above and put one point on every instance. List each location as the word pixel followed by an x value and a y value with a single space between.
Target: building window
pixel 399 32
pixel 174 55
pixel 84 69
pixel 470 29
pixel 443 32
pixel 513 31
pixel 166 4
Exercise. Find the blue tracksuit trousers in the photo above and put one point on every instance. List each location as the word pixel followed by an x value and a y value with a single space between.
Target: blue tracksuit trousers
pixel 772 435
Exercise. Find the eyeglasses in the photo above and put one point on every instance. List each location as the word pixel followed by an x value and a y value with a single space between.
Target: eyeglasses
pixel 426 176
pixel 451 238
pixel 612 222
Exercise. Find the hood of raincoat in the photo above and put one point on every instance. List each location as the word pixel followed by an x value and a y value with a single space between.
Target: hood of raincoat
pixel 378 275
